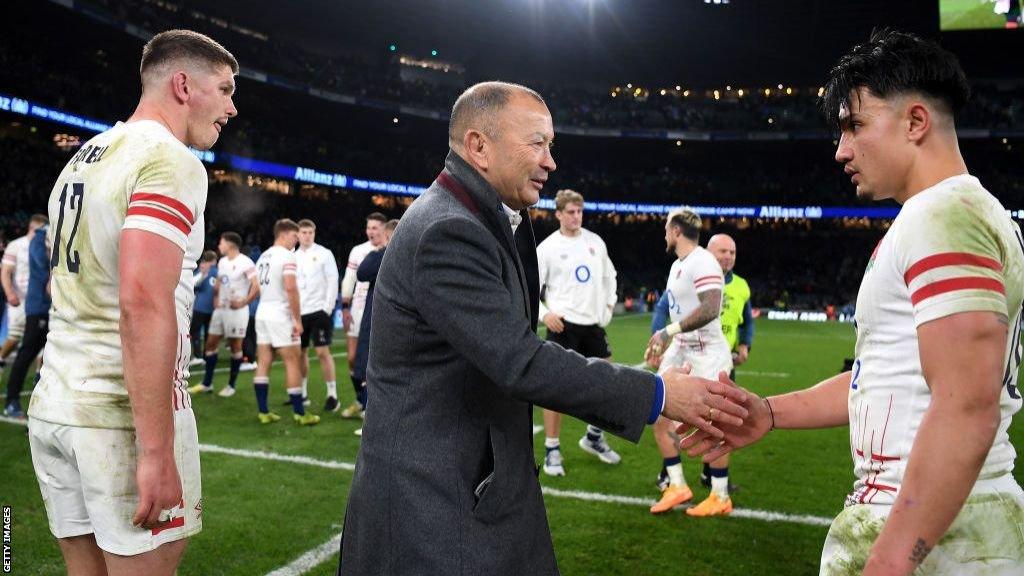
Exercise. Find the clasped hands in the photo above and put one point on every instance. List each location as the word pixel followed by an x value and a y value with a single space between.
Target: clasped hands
pixel 716 417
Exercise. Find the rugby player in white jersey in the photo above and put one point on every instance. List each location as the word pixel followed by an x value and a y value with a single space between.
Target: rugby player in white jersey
pixel 577 281
pixel 934 383
pixel 279 323
pixel 14 279
pixel 318 295
pixel 111 429
pixel 233 290
pixel 693 337
pixel 353 297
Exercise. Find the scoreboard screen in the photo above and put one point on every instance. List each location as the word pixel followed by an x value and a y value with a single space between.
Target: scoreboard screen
pixel 980 14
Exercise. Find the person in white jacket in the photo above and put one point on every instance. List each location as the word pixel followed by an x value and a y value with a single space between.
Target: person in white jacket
pixel 318 295
pixel 577 280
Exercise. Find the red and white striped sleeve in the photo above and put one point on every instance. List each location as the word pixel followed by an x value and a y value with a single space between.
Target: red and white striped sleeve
pixel 290 266
pixel 951 262
pixel 165 198
pixel 707 273
pixel 11 254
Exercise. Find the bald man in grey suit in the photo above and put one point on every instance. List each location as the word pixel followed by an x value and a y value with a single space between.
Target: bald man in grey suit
pixel 446 481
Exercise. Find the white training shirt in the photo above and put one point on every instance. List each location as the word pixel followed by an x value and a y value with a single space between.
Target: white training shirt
pixel 952 249
pixel 274 264
pixel 698 272
pixel 138 176
pixel 318 279
pixel 233 279
pixel 350 287
pixel 16 257
pixel 578 278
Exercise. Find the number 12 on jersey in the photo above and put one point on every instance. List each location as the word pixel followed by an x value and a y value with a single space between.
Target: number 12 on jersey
pixel 72 202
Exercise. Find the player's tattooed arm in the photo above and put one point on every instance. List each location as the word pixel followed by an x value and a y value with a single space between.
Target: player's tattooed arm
pixel 920 551
pixel 709 307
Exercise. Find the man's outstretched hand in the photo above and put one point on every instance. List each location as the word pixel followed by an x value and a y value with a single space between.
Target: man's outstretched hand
pixel 713 444
pixel 704 404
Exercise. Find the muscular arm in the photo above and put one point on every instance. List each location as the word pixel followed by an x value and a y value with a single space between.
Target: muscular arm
pixel 821 406
pixel 149 269
pixel 709 308
pixel 254 291
pixel 7 280
pixel 291 289
pixel 962 359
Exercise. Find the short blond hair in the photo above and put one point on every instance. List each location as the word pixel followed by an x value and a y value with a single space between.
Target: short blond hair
pixel 687 222
pixel 565 197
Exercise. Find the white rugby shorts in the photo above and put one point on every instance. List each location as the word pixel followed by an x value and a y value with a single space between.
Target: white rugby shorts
pixel 87 479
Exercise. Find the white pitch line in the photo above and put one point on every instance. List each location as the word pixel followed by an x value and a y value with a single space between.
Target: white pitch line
pixel 261 455
pixel 537 429
pixel 311 559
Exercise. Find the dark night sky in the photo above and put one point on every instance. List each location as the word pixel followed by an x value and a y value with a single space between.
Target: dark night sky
pixel 654 42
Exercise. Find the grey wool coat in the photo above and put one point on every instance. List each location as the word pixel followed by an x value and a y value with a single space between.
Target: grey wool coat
pixel 446 481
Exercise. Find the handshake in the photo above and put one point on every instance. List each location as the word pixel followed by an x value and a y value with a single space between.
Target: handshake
pixel 715 417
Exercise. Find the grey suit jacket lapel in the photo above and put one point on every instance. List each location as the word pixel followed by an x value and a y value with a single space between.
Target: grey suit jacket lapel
pixel 470 189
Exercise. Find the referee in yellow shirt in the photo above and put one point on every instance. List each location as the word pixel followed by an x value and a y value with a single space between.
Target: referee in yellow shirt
pixel 737 325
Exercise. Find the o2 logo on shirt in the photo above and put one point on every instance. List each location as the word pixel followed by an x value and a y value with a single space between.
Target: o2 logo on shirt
pixel 673 304
pixel 856 374
pixel 582 274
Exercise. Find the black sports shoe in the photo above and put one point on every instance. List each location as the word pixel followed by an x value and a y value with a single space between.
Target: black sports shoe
pixel 331 405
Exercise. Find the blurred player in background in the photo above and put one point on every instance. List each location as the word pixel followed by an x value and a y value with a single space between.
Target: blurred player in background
pixel 318 295
pixel 934 384
pixel 367 272
pixel 236 287
pixel 202 310
pixel 14 278
pixel 353 296
pixel 279 323
pixel 37 315
pixel 111 428
pixel 577 283
pixel 694 337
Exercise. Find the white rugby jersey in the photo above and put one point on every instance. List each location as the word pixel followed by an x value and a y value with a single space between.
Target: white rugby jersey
pixel 318 279
pixel 578 276
pixel 136 175
pixel 698 272
pixel 16 256
pixel 233 279
pixel 951 249
pixel 349 286
pixel 274 264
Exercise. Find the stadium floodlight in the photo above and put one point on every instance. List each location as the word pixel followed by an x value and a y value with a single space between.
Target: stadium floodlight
pixel 393 47
pixel 433 52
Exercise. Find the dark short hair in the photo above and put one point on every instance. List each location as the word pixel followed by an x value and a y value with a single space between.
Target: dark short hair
pixel 209 256
pixel 893 63
pixel 378 217
pixel 479 106
pixel 232 237
pixel 184 44
pixel 307 223
pixel 285 225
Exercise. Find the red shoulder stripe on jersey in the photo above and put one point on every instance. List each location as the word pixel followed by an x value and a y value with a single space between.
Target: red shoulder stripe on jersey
pixel 702 278
pixel 953 284
pixel 707 283
pixel 950 259
pixel 175 221
pixel 166 201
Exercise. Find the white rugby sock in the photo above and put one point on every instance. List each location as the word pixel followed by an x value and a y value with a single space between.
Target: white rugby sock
pixel 675 475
